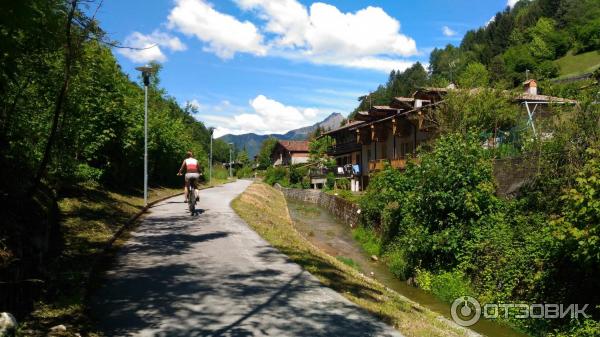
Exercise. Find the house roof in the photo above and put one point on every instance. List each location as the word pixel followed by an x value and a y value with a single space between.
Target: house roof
pixel 401 113
pixel 344 127
pixel 543 98
pixel 404 99
pixel 383 107
pixel 294 145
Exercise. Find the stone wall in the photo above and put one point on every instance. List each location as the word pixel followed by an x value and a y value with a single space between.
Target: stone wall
pixel 341 208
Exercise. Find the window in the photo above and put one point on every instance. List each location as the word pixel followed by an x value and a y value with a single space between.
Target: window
pixel 405 150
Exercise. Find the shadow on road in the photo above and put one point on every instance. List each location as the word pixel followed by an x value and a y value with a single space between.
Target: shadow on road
pixel 202 276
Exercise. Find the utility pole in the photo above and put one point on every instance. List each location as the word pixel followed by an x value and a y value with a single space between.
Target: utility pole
pixel 146 72
pixel 210 158
pixel 230 160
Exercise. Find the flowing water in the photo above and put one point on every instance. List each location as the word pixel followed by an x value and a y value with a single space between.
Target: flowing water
pixel 329 234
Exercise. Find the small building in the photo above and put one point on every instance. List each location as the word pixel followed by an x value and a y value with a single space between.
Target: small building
pixel 290 152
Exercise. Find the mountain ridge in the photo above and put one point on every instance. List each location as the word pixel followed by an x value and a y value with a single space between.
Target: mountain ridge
pixel 253 141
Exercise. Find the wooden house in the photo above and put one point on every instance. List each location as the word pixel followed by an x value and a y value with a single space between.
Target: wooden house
pixel 290 152
pixel 391 134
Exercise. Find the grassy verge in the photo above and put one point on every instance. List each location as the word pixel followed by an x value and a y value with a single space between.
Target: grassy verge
pixel 368 239
pixel 265 210
pixel 345 194
pixel 89 219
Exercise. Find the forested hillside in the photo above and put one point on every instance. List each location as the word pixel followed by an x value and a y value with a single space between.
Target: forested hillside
pixel 541 39
pixel 69 114
pixel 71 121
pixel 528 37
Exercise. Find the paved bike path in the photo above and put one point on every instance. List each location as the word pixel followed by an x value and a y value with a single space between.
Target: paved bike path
pixel 211 275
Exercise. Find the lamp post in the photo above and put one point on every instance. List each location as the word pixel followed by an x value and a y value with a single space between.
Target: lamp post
pixel 230 160
pixel 210 158
pixel 146 72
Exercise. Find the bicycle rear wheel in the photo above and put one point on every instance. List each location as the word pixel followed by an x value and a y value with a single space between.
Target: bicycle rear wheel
pixel 192 200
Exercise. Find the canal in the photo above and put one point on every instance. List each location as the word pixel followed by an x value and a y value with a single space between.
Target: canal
pixel 326 232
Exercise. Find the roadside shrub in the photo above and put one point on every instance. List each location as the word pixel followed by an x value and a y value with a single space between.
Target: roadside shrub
pixel 450 285
pixel 343 184
pixel 86 173
pixel 585 328
pixel 394 257
pixel 297 175
pixel 277 175
pixel 423 279
pixel 244 172
pixel 219 172
pixel 441 201
pixel 330 183
pixel 383 189
pixel 368 239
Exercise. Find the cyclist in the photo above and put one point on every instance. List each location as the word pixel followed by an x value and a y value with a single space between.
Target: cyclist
pixel 192 173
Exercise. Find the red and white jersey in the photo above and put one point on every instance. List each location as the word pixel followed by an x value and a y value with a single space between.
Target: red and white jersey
pixel 191 165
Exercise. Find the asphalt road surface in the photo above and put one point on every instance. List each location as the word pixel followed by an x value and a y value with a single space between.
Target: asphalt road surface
pixel 211 275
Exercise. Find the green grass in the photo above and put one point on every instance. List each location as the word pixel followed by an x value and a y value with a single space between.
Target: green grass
pixel 348 261
pixel 368 239
pixel 265 210
pixel 353 197
pixel 572 65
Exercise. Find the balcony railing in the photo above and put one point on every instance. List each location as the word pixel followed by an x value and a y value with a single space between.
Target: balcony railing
pixel 379 164
pixel 343 148
pixel 339 172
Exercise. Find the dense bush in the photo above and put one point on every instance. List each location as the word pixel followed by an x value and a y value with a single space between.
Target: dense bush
pixel 244 172
pixel 277 175
pixel 219 172
pixel 294 176
pixel 441 222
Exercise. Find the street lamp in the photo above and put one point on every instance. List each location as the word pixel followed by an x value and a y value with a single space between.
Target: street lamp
pixel 210 158
pixel 230 159
pixel 146 72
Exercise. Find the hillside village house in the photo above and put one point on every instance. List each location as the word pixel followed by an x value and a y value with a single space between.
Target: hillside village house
pixel 393 133
pixel 289 152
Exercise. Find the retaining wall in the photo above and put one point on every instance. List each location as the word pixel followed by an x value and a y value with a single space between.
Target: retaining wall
pixel 341 208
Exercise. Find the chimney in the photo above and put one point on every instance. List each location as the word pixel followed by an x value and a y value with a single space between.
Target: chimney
pixel 530 87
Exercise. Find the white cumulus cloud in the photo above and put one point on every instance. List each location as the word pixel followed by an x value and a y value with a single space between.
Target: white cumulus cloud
pixel 447 31
pixel 146 48
pixel 264 116
pixel 287 18
pixel 511 3
pixel 368 38
pixel 224 34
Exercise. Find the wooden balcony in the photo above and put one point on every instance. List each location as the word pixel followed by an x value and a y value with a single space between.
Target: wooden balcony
pixel 399 164
pixel 379 164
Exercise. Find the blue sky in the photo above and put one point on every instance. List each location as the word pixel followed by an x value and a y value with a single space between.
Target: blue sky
pixel 268 66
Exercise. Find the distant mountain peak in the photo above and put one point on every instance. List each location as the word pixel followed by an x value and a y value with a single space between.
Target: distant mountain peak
pixel 253 141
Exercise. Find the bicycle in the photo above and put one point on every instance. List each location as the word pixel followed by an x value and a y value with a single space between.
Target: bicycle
pixel 192 196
